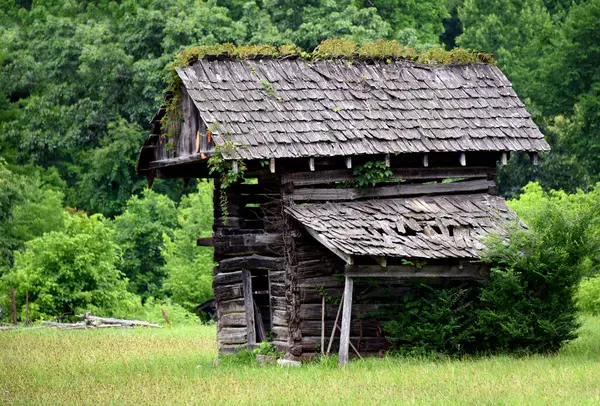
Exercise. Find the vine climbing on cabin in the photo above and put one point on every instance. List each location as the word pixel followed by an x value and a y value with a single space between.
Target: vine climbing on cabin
pixel 371 173
pixel 230 172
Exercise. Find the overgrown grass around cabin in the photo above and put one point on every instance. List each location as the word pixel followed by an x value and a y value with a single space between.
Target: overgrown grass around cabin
pixel 175 366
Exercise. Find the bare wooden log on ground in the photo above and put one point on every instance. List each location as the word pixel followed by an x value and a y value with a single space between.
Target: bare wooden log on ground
pixel 91 320
pixel 67 326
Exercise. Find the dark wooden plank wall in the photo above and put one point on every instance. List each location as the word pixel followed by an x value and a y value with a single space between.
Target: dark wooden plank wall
pixel 249 244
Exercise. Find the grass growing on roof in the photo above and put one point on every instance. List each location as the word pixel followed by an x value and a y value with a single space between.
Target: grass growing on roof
pixel 175 366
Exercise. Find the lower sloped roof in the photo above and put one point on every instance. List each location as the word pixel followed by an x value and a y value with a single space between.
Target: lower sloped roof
pixel 449 226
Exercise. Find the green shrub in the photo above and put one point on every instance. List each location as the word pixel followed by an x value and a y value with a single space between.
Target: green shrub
pixel 66 271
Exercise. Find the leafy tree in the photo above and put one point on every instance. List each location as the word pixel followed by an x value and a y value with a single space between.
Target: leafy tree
pixel 109 178
pixel 189 268
pixel 68 271
pixel 139 233
pixel 423 18
pixel 28 209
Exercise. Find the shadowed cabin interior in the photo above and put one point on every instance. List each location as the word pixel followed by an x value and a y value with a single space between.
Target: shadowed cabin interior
pixel 300 231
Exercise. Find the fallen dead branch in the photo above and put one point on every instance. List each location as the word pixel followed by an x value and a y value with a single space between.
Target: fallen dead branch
pixel 91 322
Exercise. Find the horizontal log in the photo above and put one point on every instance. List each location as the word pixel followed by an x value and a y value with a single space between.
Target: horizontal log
pixel 248 243
pixel 230 349
pixel 232 320
pixel 347 175
pixel 204 242
pixel 230 306
pixel 280 318
pixel 227 278
pixel 277 290
pixel 369 327
pixel 250 262
pixel 232 335
pixel 366 344
pixel 313 311
pixel 466 271
pixel 277 276
pixel 228 292
pixel 401 189
pixel 313 295
pixel 278 302
pixel 280 333
pixel 322 281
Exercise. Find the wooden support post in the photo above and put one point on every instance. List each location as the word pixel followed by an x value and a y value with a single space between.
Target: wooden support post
pixel 387 160
pixel 504 158
pixel 272 165
pixel 462 159
pixel 311 164
pixel 349 162
pixel 346 317
pixel 13 306
pixel 249 308
pixel 425 160
pixel 235 166
pixel 535 158
pixel 323 325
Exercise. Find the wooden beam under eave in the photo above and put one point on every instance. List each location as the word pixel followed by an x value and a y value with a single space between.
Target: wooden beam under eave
pixel 382 261
pixel 235 167
pixel 311 164
pixel 504 158
pixel 348 162
pixel 387 160
pixel 272 165
pixel 462 159
pixel 319 237
pixel 426 160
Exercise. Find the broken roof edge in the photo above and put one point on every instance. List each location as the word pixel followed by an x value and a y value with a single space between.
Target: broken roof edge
pixel 406 227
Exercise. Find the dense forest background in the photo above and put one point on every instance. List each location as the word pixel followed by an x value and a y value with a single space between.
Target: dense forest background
pixel 81 79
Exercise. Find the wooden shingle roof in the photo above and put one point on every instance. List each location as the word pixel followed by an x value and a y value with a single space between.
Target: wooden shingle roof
pixel 293 108
pixel 449 226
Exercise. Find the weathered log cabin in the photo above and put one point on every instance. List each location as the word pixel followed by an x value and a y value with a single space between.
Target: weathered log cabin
pixel 330 171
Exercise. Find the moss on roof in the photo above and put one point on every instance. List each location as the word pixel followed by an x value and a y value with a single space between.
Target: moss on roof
pixel 331 49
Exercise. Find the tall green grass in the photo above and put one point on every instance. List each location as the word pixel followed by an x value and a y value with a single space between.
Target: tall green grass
pixel 176 366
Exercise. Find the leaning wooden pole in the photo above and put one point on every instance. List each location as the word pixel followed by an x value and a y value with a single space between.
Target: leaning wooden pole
pixel 13 306
pixel 337 317
pixel 27 308
pixel 323 326
pixel 346 316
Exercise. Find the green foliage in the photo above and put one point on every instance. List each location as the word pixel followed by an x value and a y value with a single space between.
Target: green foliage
pixel 139 232
pixel 266 348
pixel 189 268
pixel 29 207
pixel 371 173
pixel 433 320
pixel 130 306
pixel 228 174
pixel 588 295
pixel 68 271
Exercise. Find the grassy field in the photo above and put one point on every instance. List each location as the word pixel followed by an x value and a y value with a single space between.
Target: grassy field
pixel 175 366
